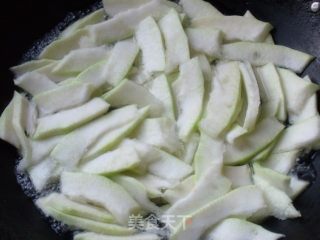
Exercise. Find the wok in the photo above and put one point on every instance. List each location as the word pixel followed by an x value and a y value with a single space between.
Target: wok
pixel 23 22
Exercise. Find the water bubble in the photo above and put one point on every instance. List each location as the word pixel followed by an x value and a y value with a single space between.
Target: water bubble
pixel 315 6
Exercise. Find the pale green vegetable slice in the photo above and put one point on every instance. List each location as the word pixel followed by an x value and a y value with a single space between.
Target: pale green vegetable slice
pixel 7 132
pixel 236 28
pixel 43 173
pixel 175 39
pixel 113 7
pixel 238 175
pixel 63 204
pixel 269 38
pixel 154 185
pixel 291 185
pixel 82 223
pixel 146 152
pixel 138 74
pixel 189 93
pixel 278 202
pixel 269 109
pixel 175 6
pixel 79 60
pixel 245 147
pixel 137 191
pixel 30 66
pixel 235 132
pixel 100 191
pixel 161 133
pixel 121 159
pixel 233 204
pixel 160 163
pixel 236 229
pixel 180 191
pixel 272 89
pixel 276 179
pixel 161 89
pixel 190 148
pixel 19 123
pixel 263 53
pixel 172 77
pixel 205 40
pixel 68 120
pixel 239 115
pixel 63 97
pixel 299 136
pixel 297 186
pixel 199 9
pixel 42 148
pixel 128 92
pixel 35 83
pixel 75 145
pixel 310 110
pixel 111 72
pixel 31 118
pixel 92 18
pixel 210 186
pixel 94 75
pixel 23 116
pixel 124 24
pixel 264 154
pixel 307 78
pixel 210 151
pixel 206 71
pixel 121 59
pixel 281 162
pixel 114 137
pixel 48 71
pixel 294 86
pixel 169 167
pixel 252 96
pixel 184 19
pixel 149 39
pixel 62 46
pixel 94 236
pixel 224 99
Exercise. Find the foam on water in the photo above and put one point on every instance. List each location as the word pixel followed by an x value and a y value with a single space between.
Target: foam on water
pixel 29 190
pixel 26 184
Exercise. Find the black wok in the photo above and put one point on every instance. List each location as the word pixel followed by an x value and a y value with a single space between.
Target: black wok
pixel 25 21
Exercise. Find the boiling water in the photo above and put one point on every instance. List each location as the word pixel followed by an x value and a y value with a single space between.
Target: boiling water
pixel 28 189
pixel 23 178
pixel 304 168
